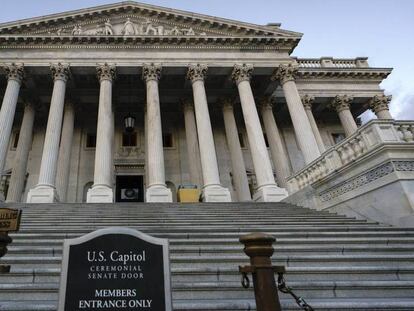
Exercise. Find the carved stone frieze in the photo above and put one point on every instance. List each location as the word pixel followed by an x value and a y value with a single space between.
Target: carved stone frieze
pixel 151 72
pixel 242 73
pixel 341 102
pixel 379 103
pixel 15 72
pixel 285 73
pixel 197 72
pixel 307 101
pixel 106 72
pixel 60 71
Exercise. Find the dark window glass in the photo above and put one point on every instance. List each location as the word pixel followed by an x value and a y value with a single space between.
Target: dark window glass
pixel 90 140
pixel 16 139
pixel 129 139
pixel 241 139
pixel 167 140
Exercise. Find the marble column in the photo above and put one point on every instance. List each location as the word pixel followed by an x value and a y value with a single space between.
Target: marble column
pixel 45 190
pixel 237 162
pixel 15 74
pixel 267 190
pixel 285 74
pixel 101 191
pixel 156 191
pixel 212 190
pixel 279 155
pixel 18 175
pixel 341 104
pixel 63 171
pixel 379 104
pixel 193 151
pixel 307 102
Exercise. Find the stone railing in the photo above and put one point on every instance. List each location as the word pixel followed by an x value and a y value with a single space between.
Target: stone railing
pixel 329 62
pixel 364 141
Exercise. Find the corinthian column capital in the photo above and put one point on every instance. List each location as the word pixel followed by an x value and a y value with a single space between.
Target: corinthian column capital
pixel 106 72
pixel 341 102
pixel 197 72
pixel 15 72
pixel 60 71
pixel 242 73
pixel 379 103
pixel 307 101
pixel 285 73
pixel 151 72
pixel 266 102
pixel 227 102
pixel 187 104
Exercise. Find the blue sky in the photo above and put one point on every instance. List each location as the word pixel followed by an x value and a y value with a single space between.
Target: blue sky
pixel 379 29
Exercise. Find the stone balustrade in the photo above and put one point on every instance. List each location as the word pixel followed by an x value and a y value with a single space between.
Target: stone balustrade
pixel 329 62
pixel 367 139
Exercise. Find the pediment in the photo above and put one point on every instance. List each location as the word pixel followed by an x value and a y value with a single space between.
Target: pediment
pixel 136 19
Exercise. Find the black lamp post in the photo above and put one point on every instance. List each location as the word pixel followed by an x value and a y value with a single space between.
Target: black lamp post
pixel 129 122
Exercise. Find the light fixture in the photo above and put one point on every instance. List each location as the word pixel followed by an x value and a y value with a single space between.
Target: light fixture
pixel 129 122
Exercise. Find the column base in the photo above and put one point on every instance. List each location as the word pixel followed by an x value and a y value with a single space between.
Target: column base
pixel 43 194
pixel 158 194
pixel 270 193
pixel 216 193
pixel 100 194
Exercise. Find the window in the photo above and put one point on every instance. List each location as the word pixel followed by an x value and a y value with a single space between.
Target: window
pixel 90 140
pixel 241 139
pixel 129 139
pixel 15 139
pixel 266 141
pixel 167 140
pixel 338 137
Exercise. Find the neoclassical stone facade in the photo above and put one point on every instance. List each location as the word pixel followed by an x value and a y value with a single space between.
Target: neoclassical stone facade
pixel 215 103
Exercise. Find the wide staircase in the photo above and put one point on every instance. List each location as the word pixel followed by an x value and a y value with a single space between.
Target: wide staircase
pixel 334 262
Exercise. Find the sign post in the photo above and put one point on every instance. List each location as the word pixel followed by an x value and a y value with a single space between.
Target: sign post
pixel 9 222
pixel 115 269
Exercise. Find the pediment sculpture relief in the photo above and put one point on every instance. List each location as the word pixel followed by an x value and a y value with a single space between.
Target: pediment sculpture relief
pixel 128 28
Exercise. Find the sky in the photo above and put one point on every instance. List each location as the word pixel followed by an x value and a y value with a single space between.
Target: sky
pixel 379 29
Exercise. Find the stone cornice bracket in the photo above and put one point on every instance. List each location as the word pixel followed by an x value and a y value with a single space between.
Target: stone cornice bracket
pixel 15 72
pixel 197 72
pixel 379 103
pixel 341 102
pixel 106 72
pixel 60 71
pixel 151 72
pixel 227 102
pixel 285 73
pixel 242 73
pixel 266 102
pixel 307 101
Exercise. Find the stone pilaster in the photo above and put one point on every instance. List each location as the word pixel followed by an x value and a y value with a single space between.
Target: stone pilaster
pixel 267 190
pixel 285 74
pixel 15 73
pixel 157 191
pixel 212 189
pixel 307 102
pixel 45 191
pixel 63 172
pixel 237 162
pixel 379 104
pixel 101 191
pixel 193 151
pixel 341 104
pixel 278 151
pixel 18 176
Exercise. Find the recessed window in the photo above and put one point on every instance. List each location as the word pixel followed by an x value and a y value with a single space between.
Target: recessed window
pixel 167 140
pixel 16 139
pixel 338 137
pixel 241 139
pixel 266 141
pixel 90 140
pixel 129 139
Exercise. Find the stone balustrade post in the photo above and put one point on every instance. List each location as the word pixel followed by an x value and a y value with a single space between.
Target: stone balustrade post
pixel 237 162
pixel 285 74
pixel 45 190
pixel 212 190
pixel 379 104
pixel 342 105
pixel 63 172
pixel 307 102
pixel 157 190
pixel 277 149
pixel 267 190
pixel 15 73
pixel 101 191
pixel 18 176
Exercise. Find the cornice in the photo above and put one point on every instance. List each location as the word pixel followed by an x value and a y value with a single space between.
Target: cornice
pixel 345 73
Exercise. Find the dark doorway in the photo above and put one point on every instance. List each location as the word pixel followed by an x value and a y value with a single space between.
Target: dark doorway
pixel 129 189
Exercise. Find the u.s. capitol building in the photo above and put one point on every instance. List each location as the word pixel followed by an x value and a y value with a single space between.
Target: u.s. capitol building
pixel 128 102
